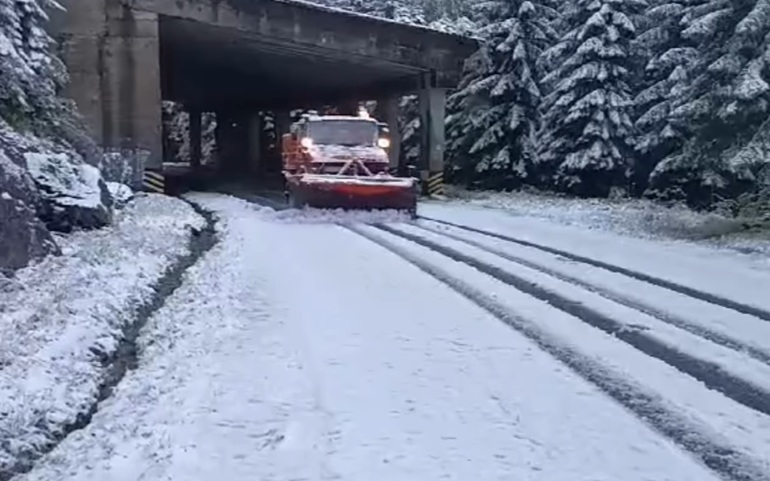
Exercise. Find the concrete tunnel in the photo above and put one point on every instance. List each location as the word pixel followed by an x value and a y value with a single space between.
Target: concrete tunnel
pixel 239 57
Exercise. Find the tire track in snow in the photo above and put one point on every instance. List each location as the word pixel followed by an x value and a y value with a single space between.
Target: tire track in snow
pixel 680 288
pixel 697 329
pixel 728 461
pixel 711 374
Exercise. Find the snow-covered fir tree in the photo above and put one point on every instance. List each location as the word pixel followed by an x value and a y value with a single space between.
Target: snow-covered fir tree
pixel 665 80
pixel 503 131
pixel 726 100
pixel 587 137
pixel 30 75
pixel 465 107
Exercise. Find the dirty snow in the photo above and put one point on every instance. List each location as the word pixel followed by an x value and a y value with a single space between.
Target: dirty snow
pixel 55 316
pixel 324 216
pixel 285 356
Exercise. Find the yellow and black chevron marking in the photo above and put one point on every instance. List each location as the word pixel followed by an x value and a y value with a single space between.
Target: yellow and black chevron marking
pixel 154 181
pixel 436 183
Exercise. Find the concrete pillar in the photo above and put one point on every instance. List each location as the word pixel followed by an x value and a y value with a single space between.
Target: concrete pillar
pixel 233 144
pixel 282 126
pixel 255 127
pixel 196 138
pixel 112 54
pixel 349 107
pixel 221 139
pixel 282 122
pixel 432 119
pixel 388 112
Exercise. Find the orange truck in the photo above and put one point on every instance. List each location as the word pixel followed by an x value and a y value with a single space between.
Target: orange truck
pixel 337 161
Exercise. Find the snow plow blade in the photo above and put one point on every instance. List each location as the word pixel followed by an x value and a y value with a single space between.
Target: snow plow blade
pixel 352 193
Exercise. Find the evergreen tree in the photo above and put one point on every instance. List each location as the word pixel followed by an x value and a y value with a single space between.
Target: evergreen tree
pixel 518 34
pixel 587 139
pixel 465 108
pixel 724 104
pixel 30 75
pixel 665 80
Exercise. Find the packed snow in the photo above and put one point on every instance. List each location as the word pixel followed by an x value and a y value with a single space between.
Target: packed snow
pixel 740 277
pixel 708 413
pixel 326 216
pixel 741 329
pixel 730 361
pixel 271 363
pixel 61 318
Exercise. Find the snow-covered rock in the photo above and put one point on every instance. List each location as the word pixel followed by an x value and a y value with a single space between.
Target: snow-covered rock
pixel 74 193
pixel 23 237
pixel 121 194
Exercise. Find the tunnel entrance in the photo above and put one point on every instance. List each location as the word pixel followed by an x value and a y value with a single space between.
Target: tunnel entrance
pixel 240 151
pixel 238 60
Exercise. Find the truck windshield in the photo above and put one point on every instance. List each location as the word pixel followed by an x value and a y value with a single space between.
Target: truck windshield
pixel 343 132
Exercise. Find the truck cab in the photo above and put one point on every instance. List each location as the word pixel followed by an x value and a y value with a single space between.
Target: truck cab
pixel 340 161
pixel 336 144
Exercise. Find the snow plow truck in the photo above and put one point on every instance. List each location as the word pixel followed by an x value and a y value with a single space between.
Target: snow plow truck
pixel 336 161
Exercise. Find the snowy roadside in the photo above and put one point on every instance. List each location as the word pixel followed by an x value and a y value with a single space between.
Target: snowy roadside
pixel 62 320
pixel 629 217
pixel 239 381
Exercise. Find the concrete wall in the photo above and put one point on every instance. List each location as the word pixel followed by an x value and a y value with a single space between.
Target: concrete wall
pixel 112 54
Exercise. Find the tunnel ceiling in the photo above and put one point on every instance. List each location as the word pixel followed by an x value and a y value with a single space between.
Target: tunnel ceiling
pixel 265 54
pixel 207 65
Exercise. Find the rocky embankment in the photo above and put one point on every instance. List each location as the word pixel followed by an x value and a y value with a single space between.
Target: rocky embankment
pixel 47 188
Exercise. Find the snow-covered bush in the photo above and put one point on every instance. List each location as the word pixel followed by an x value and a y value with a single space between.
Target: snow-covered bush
pixel 176 128
pixel 501 93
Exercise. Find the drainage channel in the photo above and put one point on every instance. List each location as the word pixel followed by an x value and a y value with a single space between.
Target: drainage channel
pixel 126 355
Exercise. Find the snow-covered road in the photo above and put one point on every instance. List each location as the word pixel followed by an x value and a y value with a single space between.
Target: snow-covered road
pixel 299 349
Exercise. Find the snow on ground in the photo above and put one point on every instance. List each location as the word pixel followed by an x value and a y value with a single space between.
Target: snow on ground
pixel 304 351
pixel 733 362
pixel 741 328
pixel 743 278
pixel 632 217
pixel 714 415
pixel 59 316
